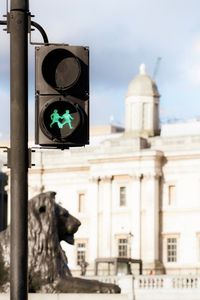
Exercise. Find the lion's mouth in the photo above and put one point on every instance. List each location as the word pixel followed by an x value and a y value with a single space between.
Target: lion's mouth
pixel 70 239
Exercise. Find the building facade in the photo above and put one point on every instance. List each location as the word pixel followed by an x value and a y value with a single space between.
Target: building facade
pixel 135 190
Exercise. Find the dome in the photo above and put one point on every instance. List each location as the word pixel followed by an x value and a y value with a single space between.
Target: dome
pixel 142 85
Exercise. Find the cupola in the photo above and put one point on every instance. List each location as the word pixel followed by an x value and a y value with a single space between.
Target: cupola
pixel 142 105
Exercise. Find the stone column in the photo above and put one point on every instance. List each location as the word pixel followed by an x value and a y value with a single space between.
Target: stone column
pixel 94 218
pixel 150 223
pixel 136 216
pixel 105 216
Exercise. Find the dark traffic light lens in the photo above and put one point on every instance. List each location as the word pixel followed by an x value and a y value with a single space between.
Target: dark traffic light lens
pixel 59 118
pixel 61 69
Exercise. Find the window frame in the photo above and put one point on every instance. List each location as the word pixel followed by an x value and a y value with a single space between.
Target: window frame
pixel 166 259
pixel 79 250
pixel 81 205
pixel 122 196
pixel 171 194
pixel 172 247
pixel 122 245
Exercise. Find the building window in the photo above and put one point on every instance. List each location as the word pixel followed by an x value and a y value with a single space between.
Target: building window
pixel 123 247
pixel 81 202
pixel 122 196
pixel 172 249
pixel 81 252
pixel 171 194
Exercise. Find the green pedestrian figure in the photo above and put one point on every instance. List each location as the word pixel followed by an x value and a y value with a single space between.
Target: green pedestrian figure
pixel 55 118
pixel 67 119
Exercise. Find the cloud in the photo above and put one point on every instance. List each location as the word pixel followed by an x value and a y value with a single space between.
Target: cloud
pixel 105 104
pixel 191 63
pixel 121 35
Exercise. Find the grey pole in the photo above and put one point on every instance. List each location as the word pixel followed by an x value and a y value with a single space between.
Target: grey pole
pixel 18 22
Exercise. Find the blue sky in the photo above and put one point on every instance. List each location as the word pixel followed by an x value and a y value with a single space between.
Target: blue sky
pixel 121 35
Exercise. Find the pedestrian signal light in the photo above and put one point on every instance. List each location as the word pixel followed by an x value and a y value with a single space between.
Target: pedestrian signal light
pixel 62 96
pixel 59 118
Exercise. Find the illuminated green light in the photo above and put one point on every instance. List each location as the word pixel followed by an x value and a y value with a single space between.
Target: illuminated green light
pixel 61 120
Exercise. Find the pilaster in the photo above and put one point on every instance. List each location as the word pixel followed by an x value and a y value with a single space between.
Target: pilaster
pixel 105 216
pixel 150 222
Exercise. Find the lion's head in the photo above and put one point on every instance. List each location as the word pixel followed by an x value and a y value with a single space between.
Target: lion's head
pixel 67 224
pixel 46 215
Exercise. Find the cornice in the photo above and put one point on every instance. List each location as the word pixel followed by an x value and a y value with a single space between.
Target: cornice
pixel 59 170
pixel 139 156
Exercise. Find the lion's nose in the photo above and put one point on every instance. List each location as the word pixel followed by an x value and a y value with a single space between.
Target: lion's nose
pixel 78 223
pixel 73 225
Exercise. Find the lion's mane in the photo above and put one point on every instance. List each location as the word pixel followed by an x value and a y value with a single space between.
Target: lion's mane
pixel 47 261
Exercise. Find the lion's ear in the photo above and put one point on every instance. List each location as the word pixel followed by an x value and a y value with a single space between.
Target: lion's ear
pixel 51 194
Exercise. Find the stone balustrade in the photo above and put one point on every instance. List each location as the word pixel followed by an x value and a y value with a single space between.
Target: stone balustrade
pixel 157 287
pixel 167 282
pixel 151 287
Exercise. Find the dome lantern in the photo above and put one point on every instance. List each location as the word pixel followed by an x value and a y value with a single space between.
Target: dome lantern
pixel 142 105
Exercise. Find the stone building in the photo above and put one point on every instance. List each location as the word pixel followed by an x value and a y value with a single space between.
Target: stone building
pixel 135 190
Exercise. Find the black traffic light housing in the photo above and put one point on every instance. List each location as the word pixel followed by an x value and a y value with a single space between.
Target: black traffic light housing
pixel 62 96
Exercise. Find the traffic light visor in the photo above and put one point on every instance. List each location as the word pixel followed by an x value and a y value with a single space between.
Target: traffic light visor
pixel 61 69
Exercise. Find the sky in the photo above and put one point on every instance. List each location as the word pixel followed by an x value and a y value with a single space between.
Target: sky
pixel 121 34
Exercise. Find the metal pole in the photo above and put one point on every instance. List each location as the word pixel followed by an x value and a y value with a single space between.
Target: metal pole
pixel 19 148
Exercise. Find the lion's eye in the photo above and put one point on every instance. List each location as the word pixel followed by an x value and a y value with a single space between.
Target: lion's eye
pixel 42 209
pixel 63 212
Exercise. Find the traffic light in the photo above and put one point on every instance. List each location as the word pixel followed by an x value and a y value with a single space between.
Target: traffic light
pixel 62 96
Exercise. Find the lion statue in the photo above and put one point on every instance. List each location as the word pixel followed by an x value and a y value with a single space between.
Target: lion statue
pixel 48 225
